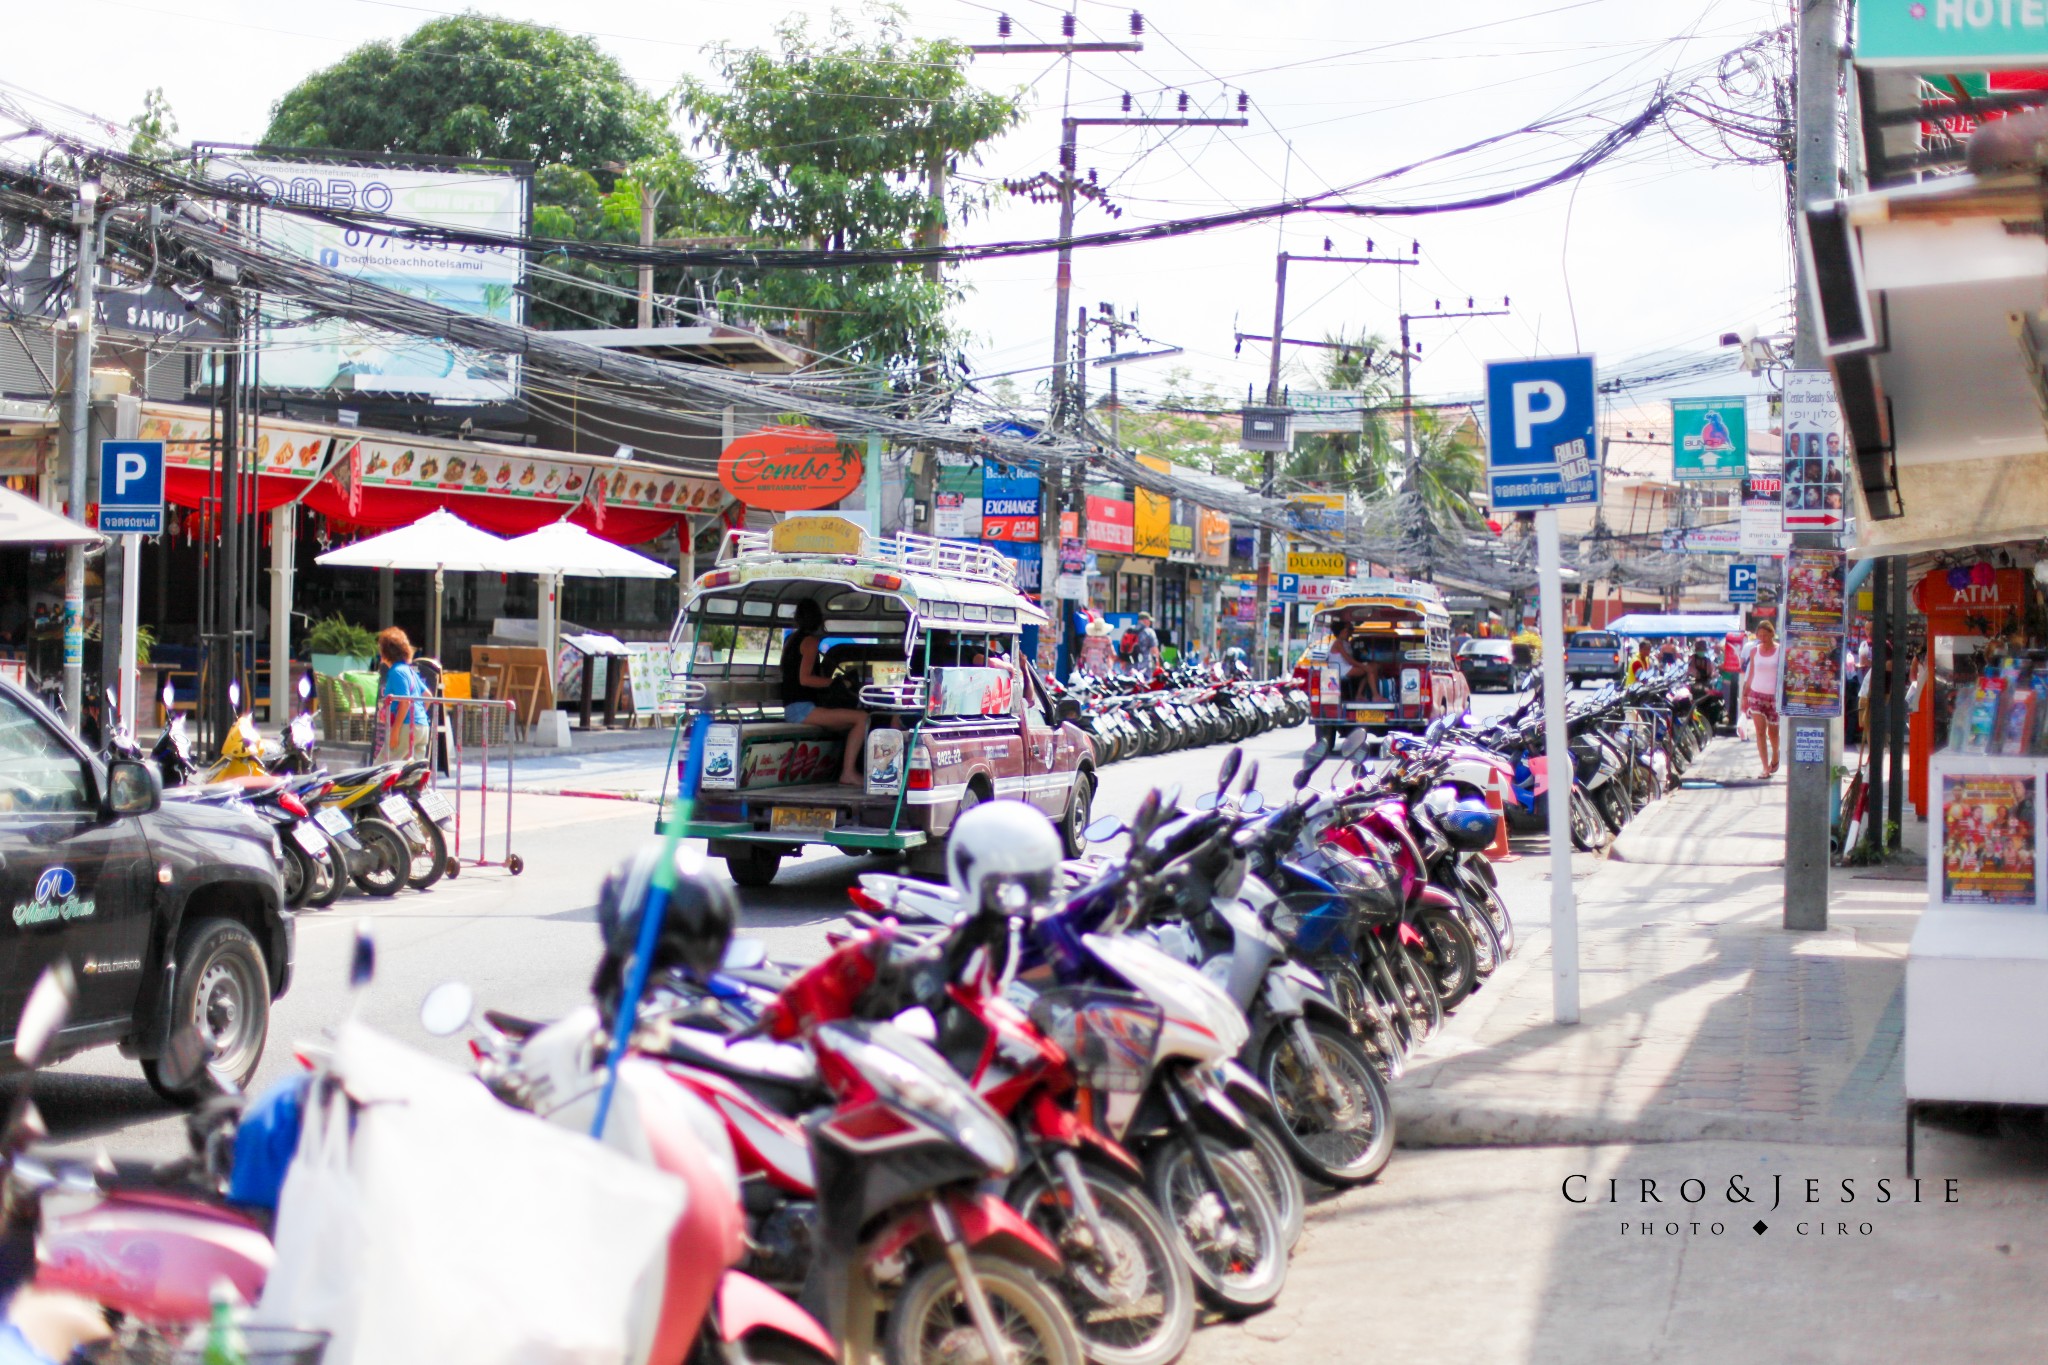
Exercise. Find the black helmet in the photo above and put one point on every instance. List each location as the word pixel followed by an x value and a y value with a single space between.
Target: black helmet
pixel 696 923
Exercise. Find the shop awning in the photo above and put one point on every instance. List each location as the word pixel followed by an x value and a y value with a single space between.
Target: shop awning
pixel 1931 298
pixel 378 480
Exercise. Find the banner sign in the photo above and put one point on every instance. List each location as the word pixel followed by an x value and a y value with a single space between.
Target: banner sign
pixel 1709 437
pixel 1813 453
pixel 1212 537
pixel 1320 410
pixel 1030 560
pixel 1987 839
pixel 1317 512
pixel 305 352
pixel 1763 487
pixel 1111 525
pixel 1721 538
pixel 1317 563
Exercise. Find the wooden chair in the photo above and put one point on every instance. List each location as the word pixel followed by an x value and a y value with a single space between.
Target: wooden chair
pixel 519 673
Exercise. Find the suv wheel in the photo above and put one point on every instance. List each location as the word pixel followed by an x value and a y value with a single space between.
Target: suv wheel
pixel 1080 804
pixel 221 993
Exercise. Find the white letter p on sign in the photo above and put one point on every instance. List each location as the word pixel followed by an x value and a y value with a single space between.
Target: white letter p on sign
pixel 129 466
pixel 1528 415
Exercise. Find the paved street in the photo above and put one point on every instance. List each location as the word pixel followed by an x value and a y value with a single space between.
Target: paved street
pixel 1714 1047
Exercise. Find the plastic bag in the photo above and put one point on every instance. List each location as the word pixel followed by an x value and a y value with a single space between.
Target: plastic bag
pixel 319 1233
pixel 488 1236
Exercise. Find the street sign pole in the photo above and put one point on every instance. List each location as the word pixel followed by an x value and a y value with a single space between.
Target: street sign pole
pixel 1540 438
pixel 1564 907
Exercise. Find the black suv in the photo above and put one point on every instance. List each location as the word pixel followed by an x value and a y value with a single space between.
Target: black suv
pixel 170 914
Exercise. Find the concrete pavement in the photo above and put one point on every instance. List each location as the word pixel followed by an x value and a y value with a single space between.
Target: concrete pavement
pixel 1701 1016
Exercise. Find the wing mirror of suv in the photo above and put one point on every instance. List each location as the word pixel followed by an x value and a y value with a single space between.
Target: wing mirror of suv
pixel 132 788
pixel 446 1010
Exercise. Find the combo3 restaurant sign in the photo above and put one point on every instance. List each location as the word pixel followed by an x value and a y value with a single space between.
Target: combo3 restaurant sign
pixel 789 469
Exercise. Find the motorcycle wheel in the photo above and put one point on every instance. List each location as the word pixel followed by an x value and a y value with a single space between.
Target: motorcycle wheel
pixel 1133 1302
pixel 429 855
pixel 930 1323
pixel 1274 1165
pixel 1418 992
pixel 384 868
pixel 1344 1139
pixel 298 875
pixel 329 876
pixel 1370 1025
pixel 1495 910
pixel 1588 834
pixel 1471 912
pixel 1609 802
pixel 1238 1270
pixel 1448 953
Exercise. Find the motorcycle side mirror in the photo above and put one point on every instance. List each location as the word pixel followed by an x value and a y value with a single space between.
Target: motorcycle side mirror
pixel 1208 801
pixel 446 1009
pixel 1313 757
pixel 1252 802
pixel 1170 802
pixel 1302 776
pixel 744 954
pixel 1231 762
pixel 1251 776
pixel 44 1014
pixel 1103 828
pixel 1353 742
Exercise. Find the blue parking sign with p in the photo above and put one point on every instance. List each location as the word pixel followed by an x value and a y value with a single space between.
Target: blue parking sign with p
pixel 1741 584
pixel 1541 441
pixel 132 487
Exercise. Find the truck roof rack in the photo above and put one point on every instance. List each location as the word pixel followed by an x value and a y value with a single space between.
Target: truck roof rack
pixel 924 554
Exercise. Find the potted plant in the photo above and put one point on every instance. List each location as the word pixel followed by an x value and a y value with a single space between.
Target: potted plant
pixel 338 646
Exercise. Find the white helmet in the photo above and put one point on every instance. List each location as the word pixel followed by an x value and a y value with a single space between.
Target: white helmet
pixel 999 844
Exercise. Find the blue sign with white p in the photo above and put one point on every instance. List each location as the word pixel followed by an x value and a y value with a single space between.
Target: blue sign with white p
pixel 132 487
pixel 1741 584
pixel 1290 586
pixel 1541 442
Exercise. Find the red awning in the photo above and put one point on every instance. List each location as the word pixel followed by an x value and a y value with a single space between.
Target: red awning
pixel 380 509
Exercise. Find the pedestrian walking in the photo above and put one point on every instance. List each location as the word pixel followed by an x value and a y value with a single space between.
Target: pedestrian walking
pixel 1761 673
pixel 1145 651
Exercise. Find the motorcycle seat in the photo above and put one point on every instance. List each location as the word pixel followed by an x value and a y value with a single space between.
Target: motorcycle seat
pixel 780 1074
pixel 356 777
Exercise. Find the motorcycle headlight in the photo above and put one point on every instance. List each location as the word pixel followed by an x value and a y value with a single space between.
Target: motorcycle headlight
pixel 908 1076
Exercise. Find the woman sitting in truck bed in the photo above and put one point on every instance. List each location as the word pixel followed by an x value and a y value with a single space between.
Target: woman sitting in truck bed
pixel 804 690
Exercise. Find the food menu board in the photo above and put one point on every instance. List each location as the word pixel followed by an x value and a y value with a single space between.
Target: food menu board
pixel 292 449
pixel 1988 839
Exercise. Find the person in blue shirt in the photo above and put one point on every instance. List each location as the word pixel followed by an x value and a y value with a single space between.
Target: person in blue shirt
pixel 399 702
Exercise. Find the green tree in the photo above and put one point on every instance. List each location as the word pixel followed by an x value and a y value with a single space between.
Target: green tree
pixel 1360 461
pixel 476 86
pixel 1190 424
pixel 153 132
pixel 844 142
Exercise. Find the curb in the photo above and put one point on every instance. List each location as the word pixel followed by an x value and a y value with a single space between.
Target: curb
pixel 1425 1120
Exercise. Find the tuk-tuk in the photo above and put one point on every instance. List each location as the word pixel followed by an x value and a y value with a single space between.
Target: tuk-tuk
pixel 1384 646
pixel 926 633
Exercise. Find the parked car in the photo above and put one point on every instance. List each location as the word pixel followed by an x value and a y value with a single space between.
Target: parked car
pixel 1488 663
pixel 171 915
pixel 1593 654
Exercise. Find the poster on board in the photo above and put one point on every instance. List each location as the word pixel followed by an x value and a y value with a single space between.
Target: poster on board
pixel 1987 839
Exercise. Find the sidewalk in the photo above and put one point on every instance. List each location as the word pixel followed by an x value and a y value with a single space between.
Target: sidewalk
pixel 1700 1016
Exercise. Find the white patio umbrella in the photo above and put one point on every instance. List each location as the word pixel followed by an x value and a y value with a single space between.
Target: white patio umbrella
pixel 24 521
pixel 570 550
pixel 438 541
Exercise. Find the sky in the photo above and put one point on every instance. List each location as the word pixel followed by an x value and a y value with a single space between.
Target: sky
pixel 1657 252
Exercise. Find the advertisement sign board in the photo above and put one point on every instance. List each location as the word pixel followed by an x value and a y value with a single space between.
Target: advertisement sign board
pixel 1540 438
pixel 1152 515
pixel 1950 35
pixel 1709 437
pixel 1814 581
pixel 789 469
pixel 1813 495
pixel 1318 563
pixel 1212 537
pixel 1763 487
pixel 302 352
pixel 1009 508
pixel 1111 525
pixel 1319 410
pixel 1721 538
pixel 1319 512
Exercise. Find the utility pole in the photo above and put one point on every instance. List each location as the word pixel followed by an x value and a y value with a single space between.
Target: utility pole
pixel 81 448
pixel 1412 458
pixel 650 200
pixel 1267 546
pixel 1808 783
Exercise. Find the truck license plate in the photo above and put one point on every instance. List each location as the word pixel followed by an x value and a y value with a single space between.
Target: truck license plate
pixel 331 820
pixel 803 818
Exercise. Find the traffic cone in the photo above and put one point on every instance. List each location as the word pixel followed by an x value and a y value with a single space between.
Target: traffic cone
pixel 1498 851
